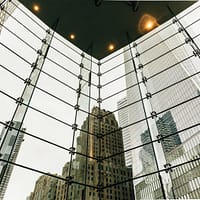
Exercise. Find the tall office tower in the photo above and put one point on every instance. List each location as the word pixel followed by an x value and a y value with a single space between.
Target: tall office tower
pixel 7 8
pixel 166 79
pixel 186 178
pixel 166 126
pixel 45 188
pixel 123 121
pixel 114 170
pixel 7 143
pixel 61 190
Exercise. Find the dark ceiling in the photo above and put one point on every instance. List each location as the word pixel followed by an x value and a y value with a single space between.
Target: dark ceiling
pixel 107 23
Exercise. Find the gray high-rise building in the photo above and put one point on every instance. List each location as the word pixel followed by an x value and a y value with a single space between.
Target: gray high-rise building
pixel 185 178
pixel 166 127
pixel 165 80
pixel 123 121
pixel 8 141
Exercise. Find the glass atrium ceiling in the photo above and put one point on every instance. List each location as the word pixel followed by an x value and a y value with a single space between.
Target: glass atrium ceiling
pixel 101 25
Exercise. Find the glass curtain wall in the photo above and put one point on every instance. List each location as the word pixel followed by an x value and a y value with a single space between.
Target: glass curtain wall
pixel 73 127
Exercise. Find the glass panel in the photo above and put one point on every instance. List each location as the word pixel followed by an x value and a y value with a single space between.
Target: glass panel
pixel 127 129
pixel 148 187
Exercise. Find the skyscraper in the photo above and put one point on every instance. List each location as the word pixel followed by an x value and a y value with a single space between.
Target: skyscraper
pixel 45 188
pixel 166 126
pixel 7 142
pixel 113 169
pixel 123 121
pixel 163 77
pixel 94 159
pixel 84 170
pixel 185 178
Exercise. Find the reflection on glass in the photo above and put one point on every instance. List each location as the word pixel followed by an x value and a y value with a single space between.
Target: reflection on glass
pixel 152 87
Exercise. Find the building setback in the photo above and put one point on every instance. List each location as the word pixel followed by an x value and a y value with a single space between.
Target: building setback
pixel 45 188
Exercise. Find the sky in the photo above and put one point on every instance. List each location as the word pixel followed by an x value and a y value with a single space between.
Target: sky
pixel 34 153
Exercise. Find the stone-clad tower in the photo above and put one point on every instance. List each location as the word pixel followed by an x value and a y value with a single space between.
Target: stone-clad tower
pixel 84 170
pixel 45 188
pixel 113 170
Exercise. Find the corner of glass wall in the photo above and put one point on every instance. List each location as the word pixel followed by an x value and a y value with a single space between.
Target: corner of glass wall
pixel 127 124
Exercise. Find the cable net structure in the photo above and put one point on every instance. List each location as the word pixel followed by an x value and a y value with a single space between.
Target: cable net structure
pixel 77 128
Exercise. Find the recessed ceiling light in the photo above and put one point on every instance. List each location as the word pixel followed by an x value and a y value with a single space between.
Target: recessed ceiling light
pixel 72 36
pixel 111 47
pixel 36 8
pixel 147 23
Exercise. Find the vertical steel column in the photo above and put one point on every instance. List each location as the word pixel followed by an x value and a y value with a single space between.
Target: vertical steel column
pixel 24 100
pixel 157 148
pixel 69 179
pixel 99 136
pixel 165 179
pixel 88 128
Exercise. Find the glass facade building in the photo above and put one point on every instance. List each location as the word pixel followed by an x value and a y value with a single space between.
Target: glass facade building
pixel 70 102
pixel 9 152
pixel 123 121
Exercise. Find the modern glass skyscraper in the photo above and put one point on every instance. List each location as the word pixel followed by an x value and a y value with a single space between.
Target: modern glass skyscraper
pixel 123 121
pixel 163 79
pixel 8 137
pixel 166 127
